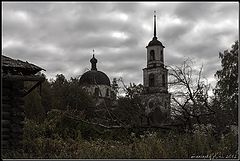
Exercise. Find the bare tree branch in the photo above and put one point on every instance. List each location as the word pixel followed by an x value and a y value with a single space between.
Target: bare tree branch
pixel 190 94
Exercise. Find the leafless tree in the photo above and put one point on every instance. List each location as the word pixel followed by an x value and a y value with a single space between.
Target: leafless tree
pixel 190 99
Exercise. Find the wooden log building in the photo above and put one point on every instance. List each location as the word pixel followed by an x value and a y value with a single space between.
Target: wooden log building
pixel 14 73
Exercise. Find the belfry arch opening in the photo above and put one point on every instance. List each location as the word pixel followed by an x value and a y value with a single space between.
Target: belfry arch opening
pixel 152 55
pixel 151 80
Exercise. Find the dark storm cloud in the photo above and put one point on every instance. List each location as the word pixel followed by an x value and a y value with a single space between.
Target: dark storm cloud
pixel 60 37
pixel 193 11
pixel 173 33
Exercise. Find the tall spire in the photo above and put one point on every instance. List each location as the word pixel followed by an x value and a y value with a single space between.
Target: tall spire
pixel 154 24
pixel 93 62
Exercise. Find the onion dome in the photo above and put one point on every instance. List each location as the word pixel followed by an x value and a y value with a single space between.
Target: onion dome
pixel 94 77
pixel 155 42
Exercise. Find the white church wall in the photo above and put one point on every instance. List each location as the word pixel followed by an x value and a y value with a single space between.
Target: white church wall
pixel 102 90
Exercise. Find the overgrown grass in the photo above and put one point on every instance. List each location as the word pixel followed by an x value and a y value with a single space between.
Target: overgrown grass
pixel 58 137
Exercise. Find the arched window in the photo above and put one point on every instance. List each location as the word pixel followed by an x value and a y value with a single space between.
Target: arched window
pixel 151 80
pixel 96 92
pixel 152 55
pixel 163 80
pixel 107 92
pixel 162 55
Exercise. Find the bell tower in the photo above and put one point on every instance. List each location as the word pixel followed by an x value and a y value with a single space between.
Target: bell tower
pixel 155 75
pixel 155 79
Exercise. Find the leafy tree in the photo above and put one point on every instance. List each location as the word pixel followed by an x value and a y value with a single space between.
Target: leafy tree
pixel 33 105
pixel 59 88
pixel 134 90
pixel 129 108
pixel 46 95
pixel 226 90
pixel 75 97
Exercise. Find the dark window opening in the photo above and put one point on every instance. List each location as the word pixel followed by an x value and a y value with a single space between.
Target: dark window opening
pixel 151 80
pixel 162 55
pixel 152 55
pixel 96 92
pixel 163 80
pixel 107 92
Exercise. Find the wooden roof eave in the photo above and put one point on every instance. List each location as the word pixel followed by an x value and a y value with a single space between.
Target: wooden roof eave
pixel 23 78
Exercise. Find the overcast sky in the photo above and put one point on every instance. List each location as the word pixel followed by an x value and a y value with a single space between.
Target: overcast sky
pixel 60 37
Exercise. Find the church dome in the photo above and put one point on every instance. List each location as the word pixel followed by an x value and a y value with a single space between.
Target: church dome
pixel 155 42
pixel 94 77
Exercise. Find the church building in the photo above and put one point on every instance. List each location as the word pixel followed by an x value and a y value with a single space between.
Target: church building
pixel 156 98
pixel 96 82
